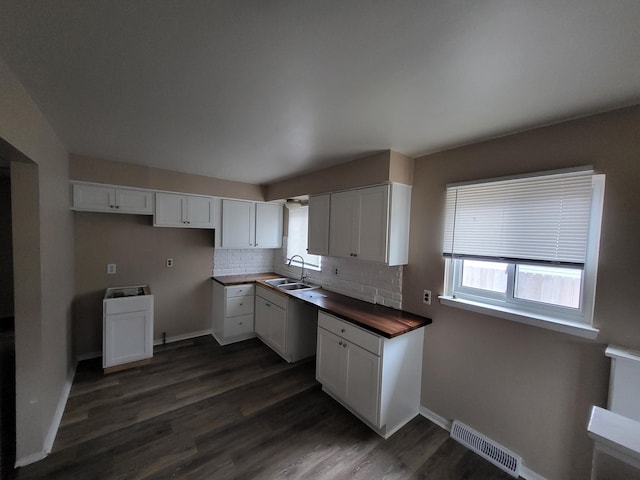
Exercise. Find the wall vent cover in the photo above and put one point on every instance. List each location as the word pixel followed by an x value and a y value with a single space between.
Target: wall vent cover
pixel 486 448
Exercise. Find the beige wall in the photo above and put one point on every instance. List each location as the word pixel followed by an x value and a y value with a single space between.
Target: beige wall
pixel 6 249
pixel 43 265
pixel 528 388
pixel 182 294
pixel 370 170
pixel 91 169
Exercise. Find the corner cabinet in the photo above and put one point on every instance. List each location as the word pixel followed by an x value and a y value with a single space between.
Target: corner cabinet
pixel 376 378
pixel 251 224
pixel 90 197
pixel 185 211
pixel 232 315
pixel 370 224
pixel 285 324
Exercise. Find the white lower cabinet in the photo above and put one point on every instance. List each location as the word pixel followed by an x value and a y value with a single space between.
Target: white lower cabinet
pixel 285 324
pixel 376 378
pixel 127 327
pixel 232 315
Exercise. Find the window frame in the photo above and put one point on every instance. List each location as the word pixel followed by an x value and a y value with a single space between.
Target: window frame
pixel 554 317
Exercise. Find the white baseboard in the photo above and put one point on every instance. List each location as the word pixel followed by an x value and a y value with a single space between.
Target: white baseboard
pixel 184 336
pixel 528 474
pixel 435 418
pixel 525 473
pixel 55 423
pixel 29 459
pixel 57 417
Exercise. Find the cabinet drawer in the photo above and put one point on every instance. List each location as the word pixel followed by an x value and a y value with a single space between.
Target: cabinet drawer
pixel 239 290
pixel 272 297
pixel 239 306
pixel 350 332
pixel 128 304
pixel 235 326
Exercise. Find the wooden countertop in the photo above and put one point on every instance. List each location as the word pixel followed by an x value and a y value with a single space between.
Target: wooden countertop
pixel 385 321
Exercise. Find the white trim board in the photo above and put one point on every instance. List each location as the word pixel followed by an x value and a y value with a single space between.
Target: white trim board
pixel 55 423
pixel 525 473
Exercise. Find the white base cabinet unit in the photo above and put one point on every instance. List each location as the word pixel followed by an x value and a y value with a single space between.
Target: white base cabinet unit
pixel 251 225
pixel 91 197
pixel 368 223
pixel 376 378
pixel 186 211
pixel 285 324
pixel 232 314
pixel 127 337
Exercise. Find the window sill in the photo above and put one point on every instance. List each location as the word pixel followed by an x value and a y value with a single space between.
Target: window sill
pixel 549 323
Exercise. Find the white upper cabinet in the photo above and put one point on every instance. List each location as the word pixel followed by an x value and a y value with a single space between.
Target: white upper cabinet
pixel 106 198
pixel 251 225
pixel 318 230
pixel 187 211
pixel 268 225
pixel 371 224
pixel 238 220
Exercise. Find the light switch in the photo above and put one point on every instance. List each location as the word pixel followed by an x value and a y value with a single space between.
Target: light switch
pixel 111 268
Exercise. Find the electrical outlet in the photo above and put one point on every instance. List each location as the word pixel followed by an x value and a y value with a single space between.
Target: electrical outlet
pixel 111 268
pixel 427 297
pixel 336 272
pixel 169 262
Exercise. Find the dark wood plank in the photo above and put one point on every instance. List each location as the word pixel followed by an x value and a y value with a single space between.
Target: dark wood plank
pixel 201 411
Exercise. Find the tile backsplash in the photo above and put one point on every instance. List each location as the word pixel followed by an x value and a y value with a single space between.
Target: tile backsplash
pixel 368 281
pixel 238 262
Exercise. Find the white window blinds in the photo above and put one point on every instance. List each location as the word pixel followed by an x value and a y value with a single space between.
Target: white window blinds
pixel 537 219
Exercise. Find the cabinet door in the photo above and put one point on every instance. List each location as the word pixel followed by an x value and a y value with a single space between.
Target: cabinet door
pixel 372 213
pixel 318 230
pixel 238 224
pixel 128 338
pixel 362 387
pixel 268 225
pixel 200 212
pixel 171 210
pixel 93 198
pixel 331 362
pixel 342 224
pixel 278 329
pixel 134 201
pixel 262 317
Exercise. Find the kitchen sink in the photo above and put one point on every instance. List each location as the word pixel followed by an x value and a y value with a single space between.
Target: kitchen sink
pixel 276 282
pixel 296 286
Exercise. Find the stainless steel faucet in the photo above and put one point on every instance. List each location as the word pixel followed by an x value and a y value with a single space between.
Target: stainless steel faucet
pixel 303 277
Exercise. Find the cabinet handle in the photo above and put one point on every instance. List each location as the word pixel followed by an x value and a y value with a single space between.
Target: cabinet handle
pixel 344 345
pixel 340 343
pixel 241 304
pixel 239 323
pixel 111 206
pixel 342 330
pixel 117 206
pixel 268 304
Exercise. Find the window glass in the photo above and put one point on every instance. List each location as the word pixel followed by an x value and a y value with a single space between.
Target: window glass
pixel 483 275
pixel 551 285
pixel 297 239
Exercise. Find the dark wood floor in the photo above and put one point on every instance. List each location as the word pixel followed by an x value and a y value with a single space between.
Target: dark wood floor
pixel 200 411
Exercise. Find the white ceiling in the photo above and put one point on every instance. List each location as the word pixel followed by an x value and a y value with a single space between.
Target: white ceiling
pixel 260 90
